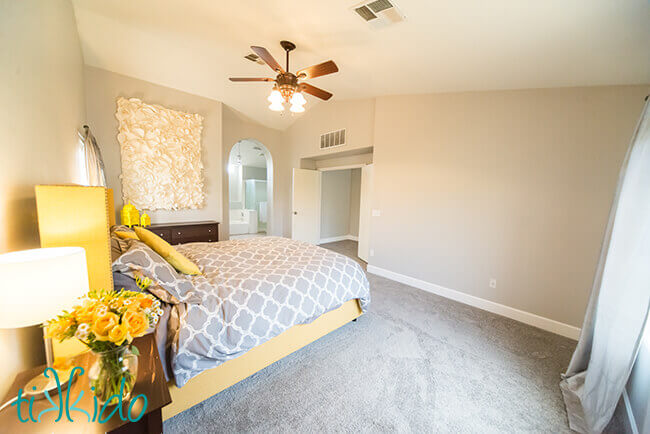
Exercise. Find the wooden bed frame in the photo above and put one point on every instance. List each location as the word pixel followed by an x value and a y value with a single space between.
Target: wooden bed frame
pixel 70 215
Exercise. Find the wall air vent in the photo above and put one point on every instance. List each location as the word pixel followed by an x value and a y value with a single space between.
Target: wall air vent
pixel 379 13
pixel 254 58
pixel 332 139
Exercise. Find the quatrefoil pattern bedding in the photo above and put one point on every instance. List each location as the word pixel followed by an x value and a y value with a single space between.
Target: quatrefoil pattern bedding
pixel 250 291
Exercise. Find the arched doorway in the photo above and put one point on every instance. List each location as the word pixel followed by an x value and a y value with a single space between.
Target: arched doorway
pixel 250 189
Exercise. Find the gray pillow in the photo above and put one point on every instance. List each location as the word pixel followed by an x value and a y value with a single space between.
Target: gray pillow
pixel 140 260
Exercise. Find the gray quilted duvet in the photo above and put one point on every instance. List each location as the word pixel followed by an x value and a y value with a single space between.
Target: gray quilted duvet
pixel 250 291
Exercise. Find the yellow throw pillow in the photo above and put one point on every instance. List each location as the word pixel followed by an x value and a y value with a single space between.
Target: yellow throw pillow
pixel 162 247
pixel 127 235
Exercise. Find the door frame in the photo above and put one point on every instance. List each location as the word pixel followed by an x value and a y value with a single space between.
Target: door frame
pixel 365 235
pixel 349 166
pixel 224 228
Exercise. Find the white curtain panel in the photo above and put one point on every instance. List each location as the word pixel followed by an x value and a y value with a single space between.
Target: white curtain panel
pixel 618 307
pixel 93 162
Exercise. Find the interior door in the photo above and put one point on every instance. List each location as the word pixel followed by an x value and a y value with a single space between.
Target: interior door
pixel 305 218
pixel 365 212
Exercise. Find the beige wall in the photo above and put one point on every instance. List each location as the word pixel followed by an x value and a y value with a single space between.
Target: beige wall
pixel 41 70
pixel 102 90
pixel 514 185
pixel 356 116
pixel 236 127
pixel 302 140
pixel 355 201
pixel 223 127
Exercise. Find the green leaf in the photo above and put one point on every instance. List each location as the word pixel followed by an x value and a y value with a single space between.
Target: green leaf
pixel 135 350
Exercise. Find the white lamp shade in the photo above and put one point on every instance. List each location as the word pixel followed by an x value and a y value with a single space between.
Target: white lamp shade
pixel 295 108
pixel 298 99
pixel 275 97
pixel 37 285
pixel 276 107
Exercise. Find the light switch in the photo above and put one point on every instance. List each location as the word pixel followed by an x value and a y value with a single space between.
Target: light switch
pixel 376 213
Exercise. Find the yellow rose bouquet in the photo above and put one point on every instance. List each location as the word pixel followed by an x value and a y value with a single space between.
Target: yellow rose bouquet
pixel 107 322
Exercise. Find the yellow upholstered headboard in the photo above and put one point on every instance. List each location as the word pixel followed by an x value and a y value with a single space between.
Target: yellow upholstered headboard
pixel 72 215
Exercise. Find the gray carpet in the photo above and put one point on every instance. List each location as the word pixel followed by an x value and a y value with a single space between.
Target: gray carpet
pixel 414 362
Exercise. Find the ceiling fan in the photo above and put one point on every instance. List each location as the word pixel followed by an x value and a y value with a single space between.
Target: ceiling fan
pixel 288 86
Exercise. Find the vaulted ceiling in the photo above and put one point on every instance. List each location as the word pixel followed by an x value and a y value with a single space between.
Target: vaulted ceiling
pixel 442 45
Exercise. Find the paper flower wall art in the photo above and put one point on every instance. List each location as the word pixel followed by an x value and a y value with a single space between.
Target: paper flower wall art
pixel 161 156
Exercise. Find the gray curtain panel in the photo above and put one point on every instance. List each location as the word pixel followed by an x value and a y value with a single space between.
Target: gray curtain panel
pixel 620 297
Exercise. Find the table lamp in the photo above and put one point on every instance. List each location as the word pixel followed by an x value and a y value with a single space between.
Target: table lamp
pixel 36 286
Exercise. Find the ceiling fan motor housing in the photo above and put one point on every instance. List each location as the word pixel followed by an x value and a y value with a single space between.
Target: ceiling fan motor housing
pixel 287 84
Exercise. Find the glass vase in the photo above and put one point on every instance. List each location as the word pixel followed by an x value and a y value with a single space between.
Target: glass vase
pixel 112 372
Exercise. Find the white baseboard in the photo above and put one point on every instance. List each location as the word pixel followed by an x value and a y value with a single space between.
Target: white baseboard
pixel 339 238
pixel 500 309
pixel 629 413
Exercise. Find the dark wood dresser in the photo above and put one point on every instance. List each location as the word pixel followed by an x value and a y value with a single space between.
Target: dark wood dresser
pixel 190 232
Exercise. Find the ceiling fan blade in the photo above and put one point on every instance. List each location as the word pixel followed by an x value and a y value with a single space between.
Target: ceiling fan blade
pixel 317 92
pixel 266 56
pixel 314 71
pixel 250 79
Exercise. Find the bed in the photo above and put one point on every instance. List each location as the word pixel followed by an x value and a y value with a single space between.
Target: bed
pixel 257 300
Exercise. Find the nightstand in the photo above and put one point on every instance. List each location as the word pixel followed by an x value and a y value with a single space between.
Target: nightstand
pixel 150 382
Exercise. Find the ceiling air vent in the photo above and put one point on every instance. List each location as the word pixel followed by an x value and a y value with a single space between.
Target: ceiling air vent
pixel 254 58
pixel 365 13
pixel 330 140
pixel 379 13
pixel 379 5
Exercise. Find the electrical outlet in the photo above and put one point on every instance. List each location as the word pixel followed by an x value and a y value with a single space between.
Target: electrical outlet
pixel 376 213
pixel 493 283
pixel 372 252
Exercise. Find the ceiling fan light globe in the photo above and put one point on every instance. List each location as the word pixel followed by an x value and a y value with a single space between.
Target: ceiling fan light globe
pixel 275 97
pixel 276 107
pixel 298 99
pixel 297 108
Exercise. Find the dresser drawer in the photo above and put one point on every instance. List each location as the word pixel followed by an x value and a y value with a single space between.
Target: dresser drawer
pixel 188 232
pixel 194 234
pixel 164 233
